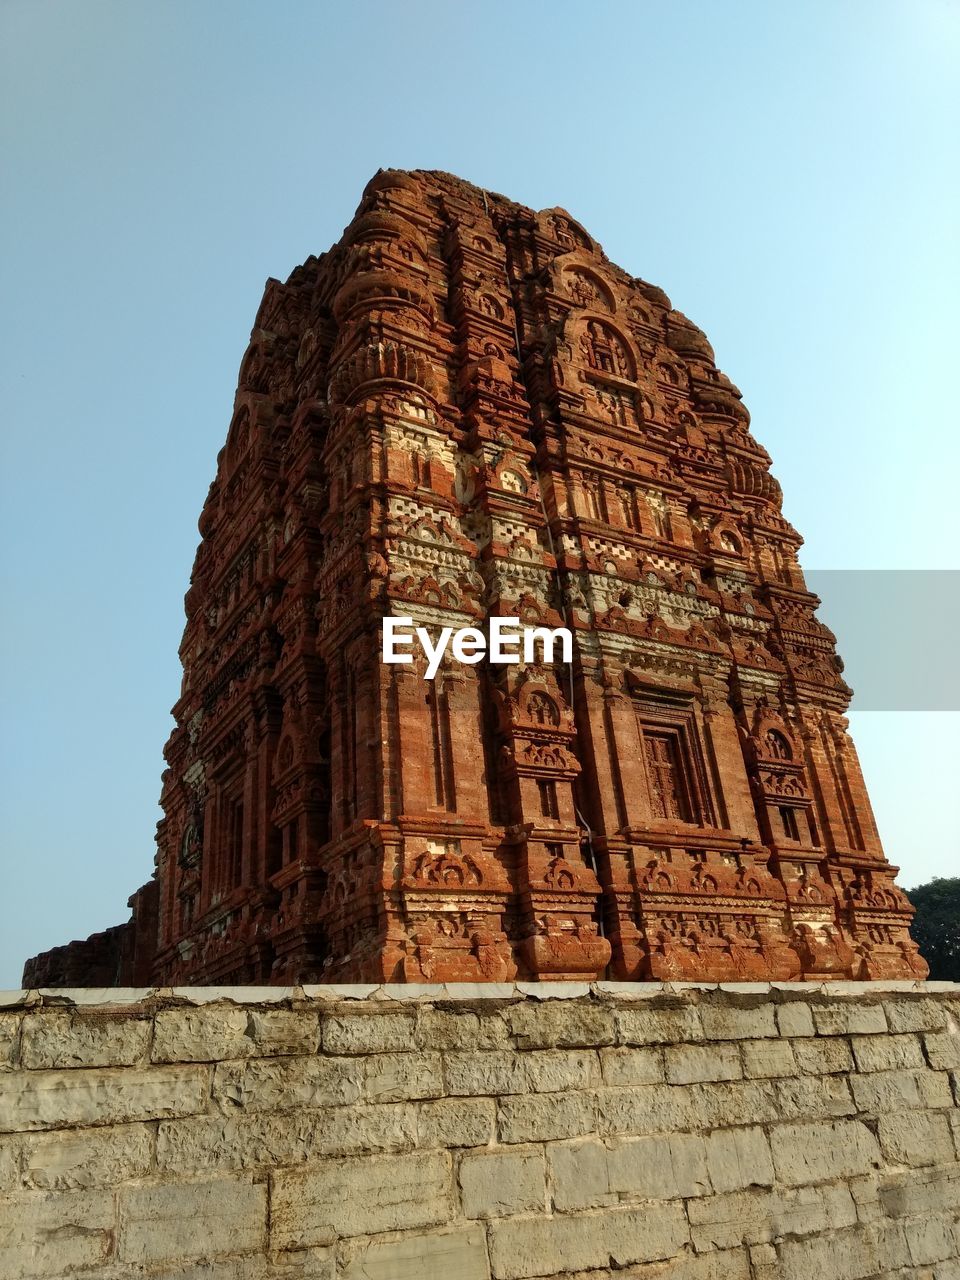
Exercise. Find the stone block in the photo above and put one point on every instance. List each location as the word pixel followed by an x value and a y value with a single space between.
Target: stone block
pixel 246 1140
pixel 763 1256
pixel 77 1159
pixel 83 1038
pixel 795 1018
pixel 457 1122
pixel 922 1192
pixel 208 1033
pixel 554 1070
pixel 865 1193
pixel 728 1022
pixel 768 1059
pixel 53 1234
pixel 839 1205
pixel 730 1219
pixel 632 1066
pixel 943 1049
pixel 659 1168
pixel 387 1032
pixel 494 1072
pixel 308 1264
pixel 546 1117
pixel 359 1196
pixel 845 1255
pixel 930 1241
pixel 192 1220
pixel 649 1025
pixel 891 1240
pixel 592 1174
pixel 757 1216
pixel 374 1127
pixel 916 1013
pixel 687 1063
pixel 647 1109
pixel 814 1097
pixel 887 1053
pixel 496 1184
pixel 849 1017
pixel 726 1264
pixel 916 1138
pixel 440 1029
pixel 279 1084
pixel 10 1149
pixel 820 1152
pixel 9 1038
pixel 459 1253
pixel 738 1159
pixel 824 1055
pixel 580 1174
pixel 280 1031
pixel 618 1238
pixel 561 1025
pixel 732 1103
pixel 396 1077
pixel 892 1091
pixel 93 1096
pixel 253 1139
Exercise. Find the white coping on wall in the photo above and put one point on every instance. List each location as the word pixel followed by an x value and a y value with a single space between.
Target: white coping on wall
pixel 445 991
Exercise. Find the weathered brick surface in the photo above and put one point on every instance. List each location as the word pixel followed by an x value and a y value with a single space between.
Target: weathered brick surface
pixel 465 409
pixel 695 1133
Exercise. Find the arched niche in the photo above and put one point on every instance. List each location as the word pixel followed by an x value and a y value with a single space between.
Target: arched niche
pixel 559 226
pixel 604 348
pixel 585 286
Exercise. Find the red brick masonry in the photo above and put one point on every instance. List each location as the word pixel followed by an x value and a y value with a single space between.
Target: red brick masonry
pixel 464 410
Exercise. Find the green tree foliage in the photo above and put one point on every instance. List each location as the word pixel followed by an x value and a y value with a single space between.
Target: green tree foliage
pixel 936 926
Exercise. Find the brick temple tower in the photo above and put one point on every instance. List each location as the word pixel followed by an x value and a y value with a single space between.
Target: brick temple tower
pixel 462 410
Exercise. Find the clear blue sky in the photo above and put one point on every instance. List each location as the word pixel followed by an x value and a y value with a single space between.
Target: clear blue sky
pixel 787 172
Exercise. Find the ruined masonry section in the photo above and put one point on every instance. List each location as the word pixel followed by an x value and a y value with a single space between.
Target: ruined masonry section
pixel 464 410
pixel 487 1132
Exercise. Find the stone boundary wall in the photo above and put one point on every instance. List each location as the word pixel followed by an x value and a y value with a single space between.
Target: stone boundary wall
pixel 698 1132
